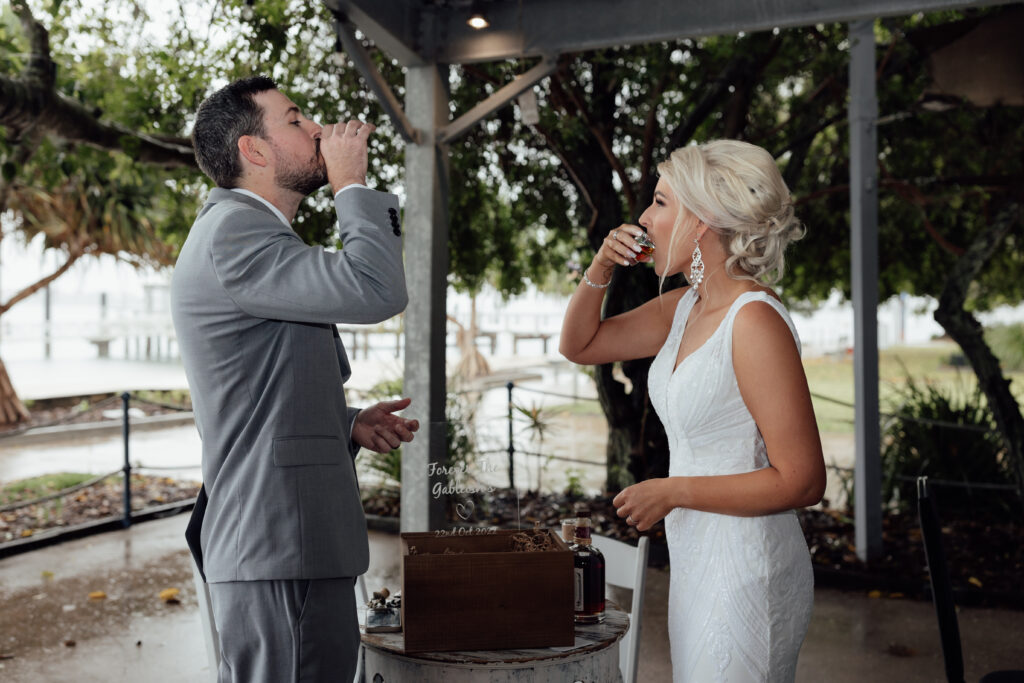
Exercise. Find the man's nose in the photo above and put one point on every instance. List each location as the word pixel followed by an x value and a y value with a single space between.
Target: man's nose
pixel 315 129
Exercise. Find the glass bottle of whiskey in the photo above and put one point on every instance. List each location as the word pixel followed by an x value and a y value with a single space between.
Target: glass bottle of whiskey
pixel 588 576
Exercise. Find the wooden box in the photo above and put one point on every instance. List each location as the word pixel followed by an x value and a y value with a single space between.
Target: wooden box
pixel 482 595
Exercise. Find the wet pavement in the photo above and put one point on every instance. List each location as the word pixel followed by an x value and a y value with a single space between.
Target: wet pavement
pixel 132 636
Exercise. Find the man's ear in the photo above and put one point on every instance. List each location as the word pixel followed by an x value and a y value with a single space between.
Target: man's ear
pixel 252 149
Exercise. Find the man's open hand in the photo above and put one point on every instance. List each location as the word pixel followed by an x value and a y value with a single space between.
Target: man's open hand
pixel 378 429
pixel 343 147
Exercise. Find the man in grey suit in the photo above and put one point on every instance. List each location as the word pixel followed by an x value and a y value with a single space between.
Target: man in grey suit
pixel 278 530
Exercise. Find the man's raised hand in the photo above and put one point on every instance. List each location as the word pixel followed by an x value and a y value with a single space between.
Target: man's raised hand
pixel 343 147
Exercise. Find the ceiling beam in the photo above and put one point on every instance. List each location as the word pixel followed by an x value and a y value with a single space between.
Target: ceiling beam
pixel 364 64
pixel 395 26
pixel 499 99
pixel 417 32
pixel 537 27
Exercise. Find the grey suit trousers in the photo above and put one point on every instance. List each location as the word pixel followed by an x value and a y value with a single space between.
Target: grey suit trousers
pixel 286 631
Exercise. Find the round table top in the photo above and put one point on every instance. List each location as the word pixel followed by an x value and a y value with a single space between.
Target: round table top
pixel 589 638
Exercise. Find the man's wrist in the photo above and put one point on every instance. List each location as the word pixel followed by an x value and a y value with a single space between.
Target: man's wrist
pixel 348 182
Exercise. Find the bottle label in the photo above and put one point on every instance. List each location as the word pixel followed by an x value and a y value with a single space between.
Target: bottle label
pixel 578 588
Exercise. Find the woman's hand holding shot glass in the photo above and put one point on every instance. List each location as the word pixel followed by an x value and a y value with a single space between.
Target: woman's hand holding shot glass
pixel 626 245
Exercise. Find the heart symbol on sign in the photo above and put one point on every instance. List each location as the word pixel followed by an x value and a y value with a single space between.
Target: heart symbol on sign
pixel 466 510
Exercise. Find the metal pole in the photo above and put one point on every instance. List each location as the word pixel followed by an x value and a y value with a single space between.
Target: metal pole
pixel 426 236
pixel 46 322
pixel 511 446
pixel 127 519
pixel 864 269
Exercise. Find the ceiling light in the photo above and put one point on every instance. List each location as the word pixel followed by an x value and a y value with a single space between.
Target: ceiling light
pixel 476 18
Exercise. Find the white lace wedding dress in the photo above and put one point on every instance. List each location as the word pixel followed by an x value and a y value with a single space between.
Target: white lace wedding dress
pixel 741 587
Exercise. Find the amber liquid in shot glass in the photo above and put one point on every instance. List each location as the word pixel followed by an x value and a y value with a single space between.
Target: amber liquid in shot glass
pixel 646 245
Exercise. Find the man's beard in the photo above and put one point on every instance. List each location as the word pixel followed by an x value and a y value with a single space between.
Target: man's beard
pixel 306 179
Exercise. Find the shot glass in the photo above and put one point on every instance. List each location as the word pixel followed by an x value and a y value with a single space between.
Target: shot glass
pixel 646 245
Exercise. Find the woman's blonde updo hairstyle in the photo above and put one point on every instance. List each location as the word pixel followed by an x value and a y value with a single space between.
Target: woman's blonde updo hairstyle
pixel 736 189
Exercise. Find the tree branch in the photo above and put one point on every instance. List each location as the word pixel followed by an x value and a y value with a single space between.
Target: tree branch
pixel 602 138
pixel 33 288
pixel 31 100
pixel 912 195
pixel 713 96
pixel 41 68
pixel 567 165
pixel 739 103
pixel 969 334
pixel 23 103
pixel 24 144
pixel 651 131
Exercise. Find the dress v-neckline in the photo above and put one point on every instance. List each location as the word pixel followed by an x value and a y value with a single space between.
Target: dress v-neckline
pixel 675 356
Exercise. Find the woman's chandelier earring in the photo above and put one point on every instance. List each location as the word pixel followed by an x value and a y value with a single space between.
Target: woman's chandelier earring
pixel 696 265
pixel 697 260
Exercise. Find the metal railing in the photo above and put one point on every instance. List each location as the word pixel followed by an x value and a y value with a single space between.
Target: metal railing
pixel 509 448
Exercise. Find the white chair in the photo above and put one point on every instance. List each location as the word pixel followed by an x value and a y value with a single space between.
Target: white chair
pixel 626 567
pixel 361 600
pixel 210 637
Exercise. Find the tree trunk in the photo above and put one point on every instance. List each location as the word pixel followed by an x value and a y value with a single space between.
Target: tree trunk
pixel 969 334
pixel 12 410
pixel 637 445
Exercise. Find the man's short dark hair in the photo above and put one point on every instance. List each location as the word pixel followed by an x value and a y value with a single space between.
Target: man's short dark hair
pixel 222 119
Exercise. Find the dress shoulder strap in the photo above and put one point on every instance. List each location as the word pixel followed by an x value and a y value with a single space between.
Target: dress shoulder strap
pixel 745 298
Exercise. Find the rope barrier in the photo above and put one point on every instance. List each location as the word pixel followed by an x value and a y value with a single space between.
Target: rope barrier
pixel 557 394
pixel 155 468
pixel 964 484
pixel 909 418
pixel 158 404
pixel 564 459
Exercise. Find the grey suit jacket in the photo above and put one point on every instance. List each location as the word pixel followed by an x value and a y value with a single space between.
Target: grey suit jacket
pixel 254 310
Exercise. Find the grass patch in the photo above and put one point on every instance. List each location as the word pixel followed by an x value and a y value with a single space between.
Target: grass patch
pixel 27 489
pixel 174 397
pixel 832 377
pixel 577 408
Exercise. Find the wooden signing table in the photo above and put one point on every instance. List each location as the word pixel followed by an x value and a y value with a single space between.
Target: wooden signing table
pixel 593 659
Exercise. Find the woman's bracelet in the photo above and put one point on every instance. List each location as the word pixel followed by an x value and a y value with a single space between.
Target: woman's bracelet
pixel 587 281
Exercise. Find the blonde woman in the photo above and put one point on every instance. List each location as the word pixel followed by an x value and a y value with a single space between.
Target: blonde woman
pixel 728 384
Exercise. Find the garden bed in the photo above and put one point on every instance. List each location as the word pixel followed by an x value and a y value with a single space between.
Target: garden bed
pixel 985 557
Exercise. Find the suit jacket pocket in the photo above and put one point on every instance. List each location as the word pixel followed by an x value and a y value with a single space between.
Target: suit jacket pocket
pixel 294 451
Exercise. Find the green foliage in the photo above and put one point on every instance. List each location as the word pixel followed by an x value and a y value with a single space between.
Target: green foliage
pixel 946 434
pixel 525 199
pixel 574 484
pixel 538 422
pixel 1007 343
pixel 460 430
pixel 943 174
pixel 388 466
